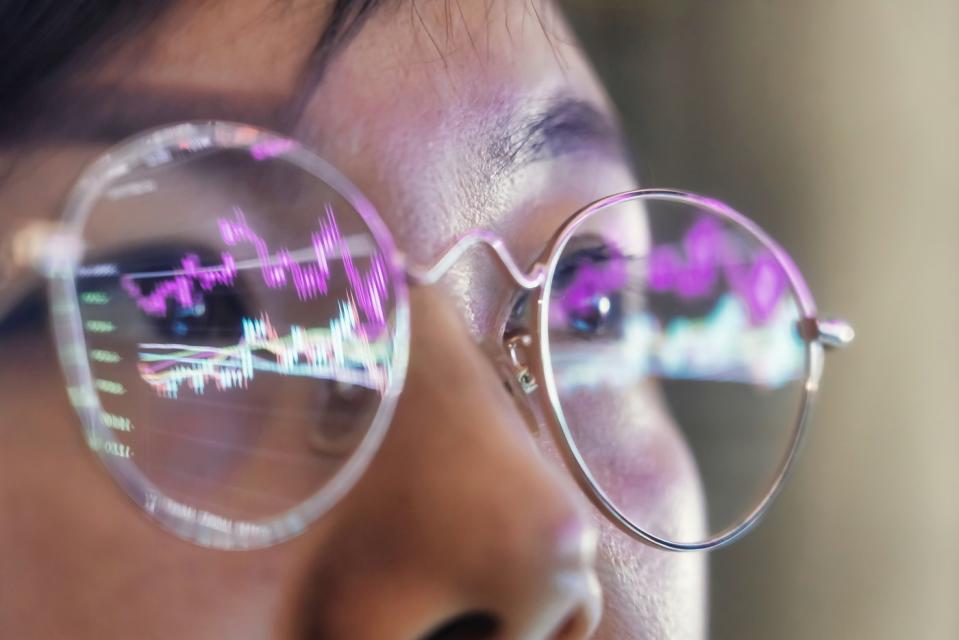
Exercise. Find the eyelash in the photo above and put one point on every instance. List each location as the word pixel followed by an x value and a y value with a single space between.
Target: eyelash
pixel 565 271
pixel 29 314
pixel 32 312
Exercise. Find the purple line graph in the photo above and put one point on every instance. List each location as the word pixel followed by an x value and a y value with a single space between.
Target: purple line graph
pixel 182 286
pixel 692 271
pixel 309 278
pixel 708 253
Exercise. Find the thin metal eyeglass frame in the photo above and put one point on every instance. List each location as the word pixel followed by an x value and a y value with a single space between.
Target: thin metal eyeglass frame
pixel 60 270
pixel 813 351
pixel 817 334
pixel 203 528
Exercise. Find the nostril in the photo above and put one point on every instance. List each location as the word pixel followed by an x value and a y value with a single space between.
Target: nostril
pixel 575 627
pixel 470 626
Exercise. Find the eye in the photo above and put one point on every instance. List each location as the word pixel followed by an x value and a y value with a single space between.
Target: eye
pixel 146 304
pixel 216 318
pixel 342 409
pixel 589 285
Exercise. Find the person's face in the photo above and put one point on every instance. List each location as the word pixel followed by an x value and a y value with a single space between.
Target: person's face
pixel 467 511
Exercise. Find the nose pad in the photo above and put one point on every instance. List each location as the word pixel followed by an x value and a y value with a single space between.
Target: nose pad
pixel 519 377
pixel 516 346
pixel 518 343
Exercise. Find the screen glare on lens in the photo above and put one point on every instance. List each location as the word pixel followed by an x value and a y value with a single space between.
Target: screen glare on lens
pixel 673 336
pixel 238 320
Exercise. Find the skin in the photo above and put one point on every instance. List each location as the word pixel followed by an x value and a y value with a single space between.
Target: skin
pixel 468 506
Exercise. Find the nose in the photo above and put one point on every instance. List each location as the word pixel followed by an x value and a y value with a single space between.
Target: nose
pixel 459 529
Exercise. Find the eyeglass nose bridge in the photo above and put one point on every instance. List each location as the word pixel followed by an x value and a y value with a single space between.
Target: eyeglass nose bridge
pixel 515 343
pixel 420 275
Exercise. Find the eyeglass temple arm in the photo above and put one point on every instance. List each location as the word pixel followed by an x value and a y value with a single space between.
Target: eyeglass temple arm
pixel 26 252
pixel 832 333
pixel 431 274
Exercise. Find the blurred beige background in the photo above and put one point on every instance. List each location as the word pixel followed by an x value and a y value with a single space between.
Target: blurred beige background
pixel 836 125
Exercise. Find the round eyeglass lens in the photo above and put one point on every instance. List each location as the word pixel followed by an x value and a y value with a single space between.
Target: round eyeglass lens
pixel 232 327
pixel 673 356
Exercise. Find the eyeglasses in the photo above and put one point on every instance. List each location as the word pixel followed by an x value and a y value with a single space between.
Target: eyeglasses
pixel 232 319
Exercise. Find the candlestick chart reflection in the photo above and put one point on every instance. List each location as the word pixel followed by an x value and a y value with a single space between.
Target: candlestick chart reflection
pixel 702 307
pixel 342 351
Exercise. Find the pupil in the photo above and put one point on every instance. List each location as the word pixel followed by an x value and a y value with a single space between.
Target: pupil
pixel 590 316
pixel 180 328
pixel 181 322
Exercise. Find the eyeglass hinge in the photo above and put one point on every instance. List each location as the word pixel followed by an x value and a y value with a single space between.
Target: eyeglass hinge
pixel 36 246
pixel 832 333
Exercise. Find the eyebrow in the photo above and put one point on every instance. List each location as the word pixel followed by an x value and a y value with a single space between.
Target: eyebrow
pixel 562 126
pixel 554 128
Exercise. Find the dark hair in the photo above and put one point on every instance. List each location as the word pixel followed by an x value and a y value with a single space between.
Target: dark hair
pixel 40 40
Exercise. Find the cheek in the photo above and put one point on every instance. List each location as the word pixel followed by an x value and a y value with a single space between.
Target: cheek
pixel 83 547
pixel 649 593
pixel 640 457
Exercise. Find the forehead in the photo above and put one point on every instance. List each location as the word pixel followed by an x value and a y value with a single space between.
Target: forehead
pixel 410 109
pixel 419 78
pixel 405 108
